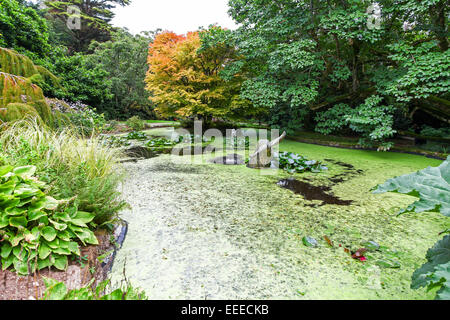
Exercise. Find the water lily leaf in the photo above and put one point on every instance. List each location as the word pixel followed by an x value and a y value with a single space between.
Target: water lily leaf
pixel 388 263
pixel 371 245
pixel 310 242
pixel 49 233
pixel 431 185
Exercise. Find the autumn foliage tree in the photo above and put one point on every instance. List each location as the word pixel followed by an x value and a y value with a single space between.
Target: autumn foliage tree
pixel 185 81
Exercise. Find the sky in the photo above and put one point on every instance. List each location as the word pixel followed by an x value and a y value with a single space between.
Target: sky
pixel 179 16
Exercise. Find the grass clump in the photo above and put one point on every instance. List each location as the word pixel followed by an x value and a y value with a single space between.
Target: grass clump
pixel 82 169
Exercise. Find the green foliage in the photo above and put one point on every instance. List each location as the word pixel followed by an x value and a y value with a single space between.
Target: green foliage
pixel 20 96
pixel 295 163
pixel 36 232
pixel 373 122
pixel 300 57
pixel 110 77
pixel 436 272
pixel 87 121
pixel 428 131
pixel 21 28
pixel 332 120
pixel 432 187
pixel 58 291
pixel 82 80
pixel 74 168
pixel 116 142
pixel 136 123
pixel 159 144
pixel 236 143
pixel 95 18
pixel 136 135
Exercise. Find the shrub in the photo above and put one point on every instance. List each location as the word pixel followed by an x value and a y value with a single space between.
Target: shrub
pixel 76 168
pixel 36 233
pixel 432 132
pixel 136 123
pixel 87 121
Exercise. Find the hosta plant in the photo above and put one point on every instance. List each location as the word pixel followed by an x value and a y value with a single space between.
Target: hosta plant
pixel 295 163
pixel 432 187
pixel 35 230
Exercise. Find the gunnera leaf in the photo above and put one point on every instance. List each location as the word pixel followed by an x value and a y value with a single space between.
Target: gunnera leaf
pixel 431 186
pixel 436 272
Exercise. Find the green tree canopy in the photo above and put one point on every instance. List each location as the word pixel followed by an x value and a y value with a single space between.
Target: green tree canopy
pixel 95 18
pixel 22 29
pixel 306 57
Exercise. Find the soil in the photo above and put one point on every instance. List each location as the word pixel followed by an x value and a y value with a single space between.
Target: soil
pixel 14 287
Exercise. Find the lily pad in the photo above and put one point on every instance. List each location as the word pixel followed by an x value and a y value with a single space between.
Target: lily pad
pixel 388 263
pixel 310 242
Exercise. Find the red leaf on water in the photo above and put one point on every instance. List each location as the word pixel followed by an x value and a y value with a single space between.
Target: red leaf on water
pixel 359 254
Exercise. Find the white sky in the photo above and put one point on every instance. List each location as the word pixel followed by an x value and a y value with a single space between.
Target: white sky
pixel 179 16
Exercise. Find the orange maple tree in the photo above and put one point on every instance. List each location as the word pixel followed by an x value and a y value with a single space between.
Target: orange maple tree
pixel 184 78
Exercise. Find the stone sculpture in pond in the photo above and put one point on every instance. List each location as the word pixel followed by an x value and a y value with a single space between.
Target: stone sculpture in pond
pixel 263 155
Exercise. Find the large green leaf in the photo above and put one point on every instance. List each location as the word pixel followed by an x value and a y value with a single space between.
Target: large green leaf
pixel 7 188
pixel 5 169
pixel 25 172
pixel 61 262
pixel 44 251
pixel 436 272
pixel 49 233
pixel 431 185
pixel 4 220
pixel 6 250
pixel 55 290
pixel 18 222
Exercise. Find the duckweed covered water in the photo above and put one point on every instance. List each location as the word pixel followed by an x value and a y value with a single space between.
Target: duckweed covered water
pixel 208 231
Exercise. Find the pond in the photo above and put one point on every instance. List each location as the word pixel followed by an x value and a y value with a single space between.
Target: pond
pixel 207 231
